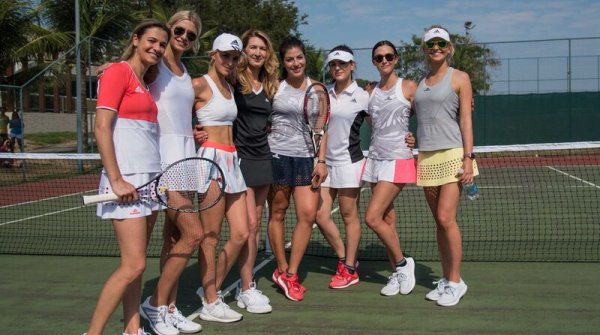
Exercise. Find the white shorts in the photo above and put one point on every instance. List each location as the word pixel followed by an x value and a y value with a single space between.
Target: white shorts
pixel 345 176
pixel 116 210
pixel 398 171
pixel 174 148
pixel 226 157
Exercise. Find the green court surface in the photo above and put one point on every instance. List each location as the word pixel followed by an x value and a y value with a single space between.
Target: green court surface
pixel 51 295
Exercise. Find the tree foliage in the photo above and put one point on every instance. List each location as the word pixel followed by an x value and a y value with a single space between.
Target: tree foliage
pixel 475 59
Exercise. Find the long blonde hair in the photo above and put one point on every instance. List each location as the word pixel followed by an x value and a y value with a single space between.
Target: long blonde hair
pixel 191 16
pixel 139 30
pixel 268 73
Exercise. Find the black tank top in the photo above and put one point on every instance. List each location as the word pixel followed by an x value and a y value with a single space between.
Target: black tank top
pixel 250 126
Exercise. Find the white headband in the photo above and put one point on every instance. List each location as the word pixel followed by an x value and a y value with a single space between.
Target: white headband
pixel 344 56
pixel 436 32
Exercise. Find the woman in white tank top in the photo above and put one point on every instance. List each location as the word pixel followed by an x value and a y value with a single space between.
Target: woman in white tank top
pixel 215 109
pixel 390 165
pixel 171 87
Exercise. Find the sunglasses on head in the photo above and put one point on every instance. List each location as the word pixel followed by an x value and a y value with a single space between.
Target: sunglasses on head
pixel 191 36
pixel 388 57
pixel 439 43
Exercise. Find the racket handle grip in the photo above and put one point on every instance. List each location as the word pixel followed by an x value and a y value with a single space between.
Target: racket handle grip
pixel 98 198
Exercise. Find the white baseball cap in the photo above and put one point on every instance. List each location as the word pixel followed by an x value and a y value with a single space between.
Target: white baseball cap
pixel 227 42
pixel 342 55
pixel 436 33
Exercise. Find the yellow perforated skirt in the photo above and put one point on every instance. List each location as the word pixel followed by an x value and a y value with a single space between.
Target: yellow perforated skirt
pixel 435 168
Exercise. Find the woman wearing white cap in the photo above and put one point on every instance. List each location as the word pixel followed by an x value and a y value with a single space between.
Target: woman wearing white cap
pixel 216 110
pixel 293 168
pixel 443 107
pixel 345 162
pixel 390 165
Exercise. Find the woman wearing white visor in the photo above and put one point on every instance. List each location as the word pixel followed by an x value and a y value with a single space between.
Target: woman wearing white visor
pixel 445 129
pixel 345 162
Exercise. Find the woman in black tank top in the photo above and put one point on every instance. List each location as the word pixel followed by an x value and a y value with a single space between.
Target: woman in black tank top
pixel 256 85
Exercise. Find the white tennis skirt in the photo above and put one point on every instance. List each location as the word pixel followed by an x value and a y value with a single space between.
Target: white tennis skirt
pixel 174 148
pixel 226 157
pixel 345 176
pixel 397 171
pixel 117 210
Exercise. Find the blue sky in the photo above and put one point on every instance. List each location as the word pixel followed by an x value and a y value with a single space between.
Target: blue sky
pixel 360 23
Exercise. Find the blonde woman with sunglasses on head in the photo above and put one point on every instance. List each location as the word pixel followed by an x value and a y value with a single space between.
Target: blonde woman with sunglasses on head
pixel 171 87
pixel 446 160
pixel 390 164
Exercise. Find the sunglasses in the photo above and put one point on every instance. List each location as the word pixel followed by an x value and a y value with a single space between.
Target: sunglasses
pixel 388 57
pixel 191 36
pixel 439 43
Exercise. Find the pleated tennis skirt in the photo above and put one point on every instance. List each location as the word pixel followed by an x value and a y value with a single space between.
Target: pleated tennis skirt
pixel 440 167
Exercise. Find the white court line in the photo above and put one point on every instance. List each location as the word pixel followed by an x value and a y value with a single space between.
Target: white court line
pixel 262 264
pixel 45 199
pixel 573 177
pixel 41 216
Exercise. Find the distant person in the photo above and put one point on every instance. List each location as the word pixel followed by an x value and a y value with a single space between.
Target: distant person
pixel 4 121
pixel 16 131
pixel 390 164
pixel 126 130
pixel 443 104
pixel 5 148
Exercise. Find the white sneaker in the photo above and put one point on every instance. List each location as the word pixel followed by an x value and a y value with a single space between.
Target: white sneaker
pixel 435 294
pixel 218 311
pixel 183 324
pixel 402 281
pixel 157 317
pixel 452 293
pixel 253 300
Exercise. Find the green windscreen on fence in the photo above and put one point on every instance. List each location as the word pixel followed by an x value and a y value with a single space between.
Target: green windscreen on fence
pixel 529 118
pixel 537 203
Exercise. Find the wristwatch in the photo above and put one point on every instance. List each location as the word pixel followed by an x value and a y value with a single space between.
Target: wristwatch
pixel 470 155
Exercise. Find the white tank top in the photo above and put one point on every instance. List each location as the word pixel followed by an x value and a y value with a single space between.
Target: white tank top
pixel 389 111
pixel 218 111
pixel 174 96
pixel 289 132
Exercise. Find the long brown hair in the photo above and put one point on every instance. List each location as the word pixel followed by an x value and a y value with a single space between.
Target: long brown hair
pixel 268 73
pixel 139 30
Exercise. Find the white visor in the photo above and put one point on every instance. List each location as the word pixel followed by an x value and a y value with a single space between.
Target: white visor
pixel 436 33
pixel 344 56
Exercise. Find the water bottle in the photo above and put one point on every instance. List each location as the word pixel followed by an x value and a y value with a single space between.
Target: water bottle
pixel 470 189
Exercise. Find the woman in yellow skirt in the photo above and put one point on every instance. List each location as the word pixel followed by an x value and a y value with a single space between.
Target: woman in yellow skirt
pixel 446 160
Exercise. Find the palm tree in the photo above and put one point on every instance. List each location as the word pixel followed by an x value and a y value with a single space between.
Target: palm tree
pixel 102 22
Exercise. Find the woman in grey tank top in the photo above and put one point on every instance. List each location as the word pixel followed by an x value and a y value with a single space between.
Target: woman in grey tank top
pixel 443 107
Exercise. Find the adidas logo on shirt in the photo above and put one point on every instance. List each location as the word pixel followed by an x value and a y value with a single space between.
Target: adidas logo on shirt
pixel 138 89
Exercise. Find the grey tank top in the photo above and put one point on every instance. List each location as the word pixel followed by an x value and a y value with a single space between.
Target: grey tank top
pixel 437 115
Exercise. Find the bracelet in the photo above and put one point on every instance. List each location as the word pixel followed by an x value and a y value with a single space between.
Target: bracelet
pixel 321 161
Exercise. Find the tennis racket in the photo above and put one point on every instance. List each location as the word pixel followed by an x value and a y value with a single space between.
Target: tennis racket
pixel 316 115
pixel 188 185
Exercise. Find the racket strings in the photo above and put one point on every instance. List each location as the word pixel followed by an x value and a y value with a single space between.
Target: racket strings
pixel 191 185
